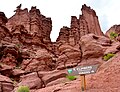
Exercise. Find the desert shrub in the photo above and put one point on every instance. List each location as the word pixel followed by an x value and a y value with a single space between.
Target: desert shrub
pixel 108 56
pixel 113 35
pixel 23 89
pixel 70 77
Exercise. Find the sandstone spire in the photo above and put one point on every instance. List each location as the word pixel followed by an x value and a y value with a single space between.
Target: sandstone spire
pixel 64 34
pixel 33 22
pixel 87 23
pixel 92 20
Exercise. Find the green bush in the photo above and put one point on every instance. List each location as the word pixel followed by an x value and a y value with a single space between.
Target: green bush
pixel 113 35
pixel 71 77
pixel 108 56
pixel 23 89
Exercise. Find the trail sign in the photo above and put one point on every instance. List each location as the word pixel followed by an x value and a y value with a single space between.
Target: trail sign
pixel 79 70
pixel 82 71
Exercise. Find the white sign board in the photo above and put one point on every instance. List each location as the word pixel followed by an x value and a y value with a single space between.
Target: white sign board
pixel 79 70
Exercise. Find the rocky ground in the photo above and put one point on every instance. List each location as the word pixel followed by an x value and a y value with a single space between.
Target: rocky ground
pixel 28 57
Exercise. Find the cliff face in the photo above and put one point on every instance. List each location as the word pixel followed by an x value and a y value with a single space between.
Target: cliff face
pixel 34 23
pixel 87 23
pixel 27 33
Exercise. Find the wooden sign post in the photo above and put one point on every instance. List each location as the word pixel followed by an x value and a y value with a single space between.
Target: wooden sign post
pixel 82 71
pixel 83 82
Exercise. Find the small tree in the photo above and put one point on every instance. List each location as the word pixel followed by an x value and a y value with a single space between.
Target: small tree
pixel 71 77
pixel 113 35
pixel 108 56
pixel 23 89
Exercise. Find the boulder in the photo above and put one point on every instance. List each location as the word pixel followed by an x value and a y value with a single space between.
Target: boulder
pixel 93 48
pixel 6 84
pixel 31 80
pixel 6 69
pixel 114 48
pixel 17 72
pixel 53 77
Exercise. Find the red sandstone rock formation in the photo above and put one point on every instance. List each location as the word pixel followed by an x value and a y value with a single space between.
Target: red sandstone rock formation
pixel 33 22
pixel 28 57
pixel 115 28
pixel 71 37
pixel 93 48
pixel 64 35
pixel 6 84
pixel 92 20
pixel 87 23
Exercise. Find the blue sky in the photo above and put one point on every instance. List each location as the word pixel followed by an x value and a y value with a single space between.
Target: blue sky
pixel 61 11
